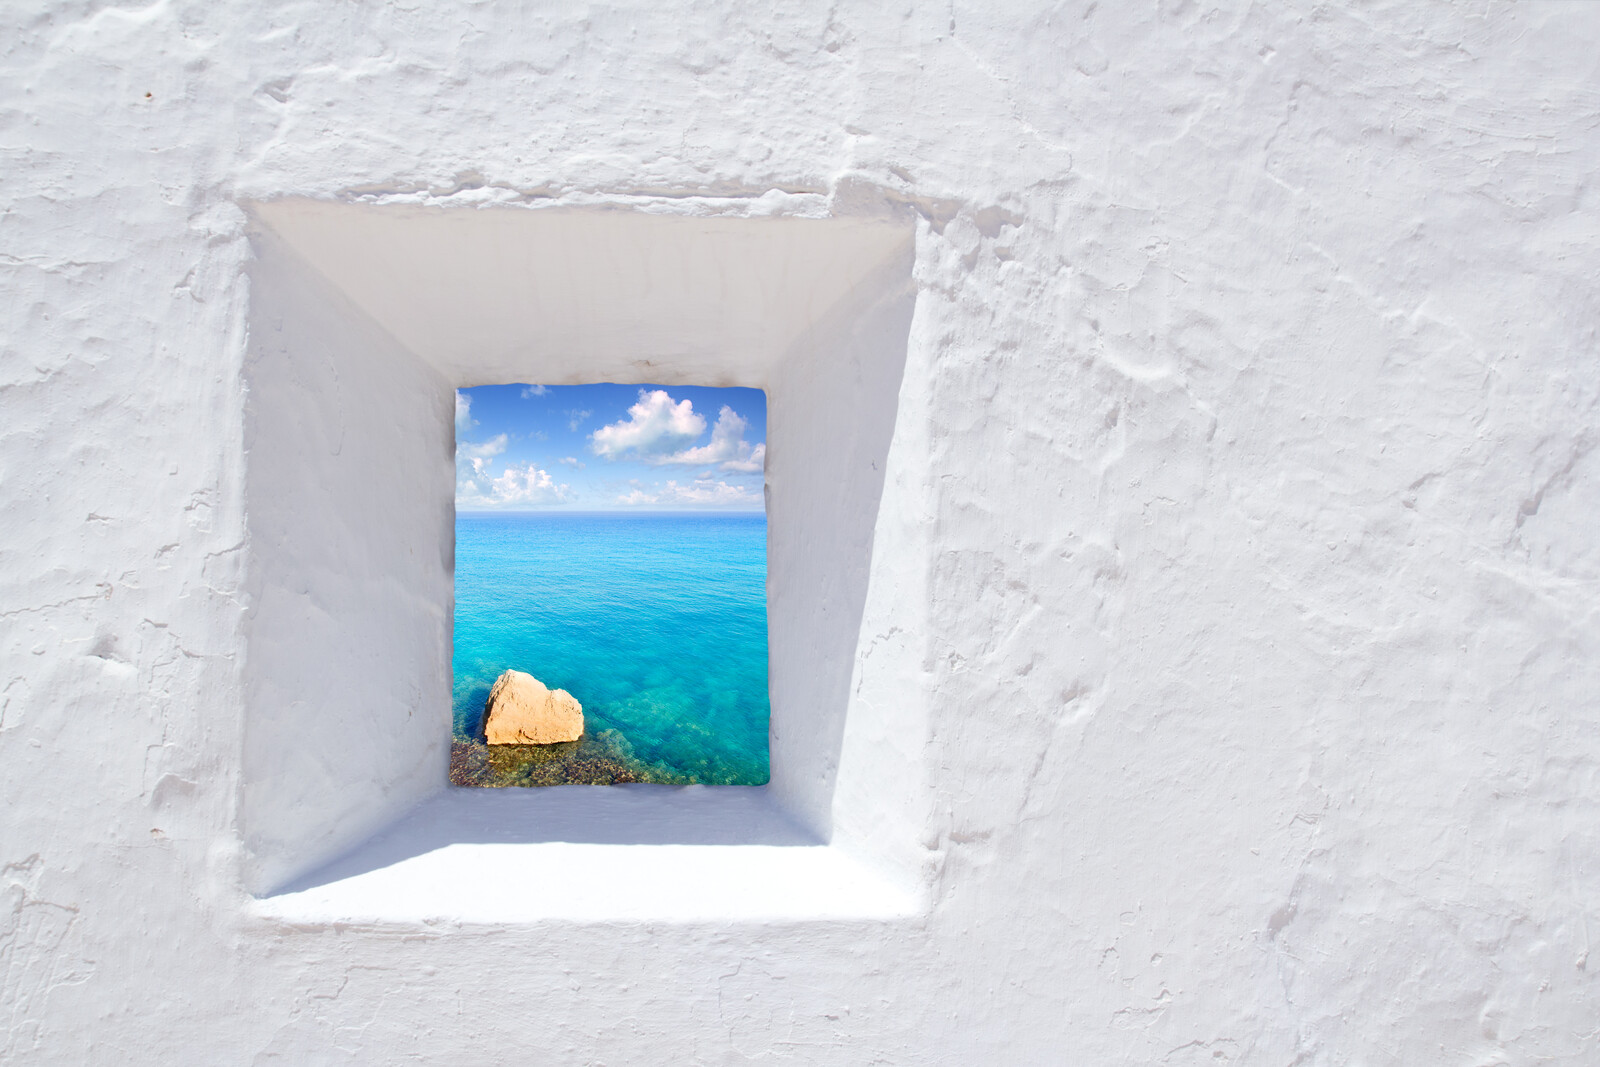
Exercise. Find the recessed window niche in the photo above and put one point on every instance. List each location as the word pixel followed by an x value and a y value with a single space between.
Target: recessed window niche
pixel 365 321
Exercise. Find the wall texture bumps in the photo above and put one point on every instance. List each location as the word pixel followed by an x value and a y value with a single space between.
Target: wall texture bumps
pixel 1254 359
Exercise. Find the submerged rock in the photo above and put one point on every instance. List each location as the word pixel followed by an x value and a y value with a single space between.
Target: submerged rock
pixel 522 711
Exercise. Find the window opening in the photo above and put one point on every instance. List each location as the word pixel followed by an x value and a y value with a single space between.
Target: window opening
pixel 610 586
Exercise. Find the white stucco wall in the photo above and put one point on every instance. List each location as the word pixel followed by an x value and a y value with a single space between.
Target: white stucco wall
pixel 1242 530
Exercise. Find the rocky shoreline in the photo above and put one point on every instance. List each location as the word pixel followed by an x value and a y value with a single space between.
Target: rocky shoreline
pixel 591 760
pixel 531 735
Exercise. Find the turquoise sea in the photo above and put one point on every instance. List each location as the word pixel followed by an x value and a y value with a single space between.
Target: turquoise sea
pixel 656 623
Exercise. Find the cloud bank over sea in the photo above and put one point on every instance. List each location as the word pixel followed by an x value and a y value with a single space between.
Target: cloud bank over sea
pixel 531 447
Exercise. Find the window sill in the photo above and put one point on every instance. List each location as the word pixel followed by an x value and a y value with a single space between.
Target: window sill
pixel 591 854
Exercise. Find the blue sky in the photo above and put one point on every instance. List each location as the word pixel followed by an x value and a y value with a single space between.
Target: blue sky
pixel 610 447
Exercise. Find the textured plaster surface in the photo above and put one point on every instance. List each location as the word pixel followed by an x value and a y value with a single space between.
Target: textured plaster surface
pixel 1248 556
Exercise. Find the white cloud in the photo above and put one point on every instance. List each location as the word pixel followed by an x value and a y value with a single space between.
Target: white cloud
pixel 477 486
pixel 660 432
pixel 727 447
pixel 515 485
pixel 573 461
pixel 655 425
pixel 478 455
pixel 529 485
pixel 484 450
pixel 575 419
pixel 463 412
pixel 700 493
pixel 638 496
pixel 531 391
pixel 755 462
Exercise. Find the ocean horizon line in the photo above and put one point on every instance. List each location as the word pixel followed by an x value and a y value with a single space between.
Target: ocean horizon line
pixel 617 512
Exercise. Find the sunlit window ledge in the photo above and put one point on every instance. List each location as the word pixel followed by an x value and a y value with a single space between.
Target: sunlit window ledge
pixel 600 854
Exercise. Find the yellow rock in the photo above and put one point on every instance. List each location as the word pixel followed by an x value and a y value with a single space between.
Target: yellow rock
pixel 522 711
